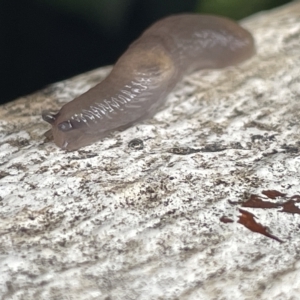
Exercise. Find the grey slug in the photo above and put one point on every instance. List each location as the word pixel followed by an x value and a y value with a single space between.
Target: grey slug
pixel 146 73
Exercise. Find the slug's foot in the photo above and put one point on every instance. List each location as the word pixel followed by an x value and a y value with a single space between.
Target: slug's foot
pixel 48 135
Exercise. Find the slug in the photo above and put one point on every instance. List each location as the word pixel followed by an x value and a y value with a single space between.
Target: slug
pixel 146 73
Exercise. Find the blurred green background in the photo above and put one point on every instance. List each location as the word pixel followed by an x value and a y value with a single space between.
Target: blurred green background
pixel 43 41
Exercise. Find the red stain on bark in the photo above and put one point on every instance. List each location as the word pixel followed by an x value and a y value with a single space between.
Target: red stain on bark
pixel 273 194
pixel 257 202
pixel 247 219
pixel 290 207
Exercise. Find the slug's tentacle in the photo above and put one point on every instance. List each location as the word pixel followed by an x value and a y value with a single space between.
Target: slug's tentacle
pixel 49 116
pixel 146 73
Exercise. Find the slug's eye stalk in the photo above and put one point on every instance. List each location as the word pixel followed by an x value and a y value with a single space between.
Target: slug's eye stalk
pixel 65 126
pixel 49 116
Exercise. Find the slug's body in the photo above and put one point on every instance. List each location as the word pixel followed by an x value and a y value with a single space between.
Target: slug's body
pixel 146 73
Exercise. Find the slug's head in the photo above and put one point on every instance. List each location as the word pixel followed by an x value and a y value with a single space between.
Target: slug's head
pixel 69 134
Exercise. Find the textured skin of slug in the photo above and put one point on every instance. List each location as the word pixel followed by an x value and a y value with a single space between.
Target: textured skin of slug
pixel 146 73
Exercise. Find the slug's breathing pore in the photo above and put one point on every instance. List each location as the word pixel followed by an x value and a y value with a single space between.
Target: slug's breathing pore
pixel 146 73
